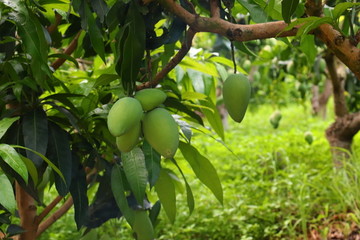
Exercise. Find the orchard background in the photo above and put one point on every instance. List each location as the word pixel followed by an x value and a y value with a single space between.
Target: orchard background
pixel 288 170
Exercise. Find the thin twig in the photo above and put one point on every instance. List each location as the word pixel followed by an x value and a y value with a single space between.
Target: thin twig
pixel 54 26
pixel 48 209
pixel 185 47
pixel 68 51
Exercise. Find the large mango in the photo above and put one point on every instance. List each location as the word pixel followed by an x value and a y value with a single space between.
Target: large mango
pixel 128 140
pixel 161 131
pixel 124 115
pixel 150 98
pixel 236 94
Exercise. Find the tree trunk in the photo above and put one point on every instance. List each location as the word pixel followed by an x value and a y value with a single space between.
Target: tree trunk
pixel 319 101
pixel 340 135
pixel 27 213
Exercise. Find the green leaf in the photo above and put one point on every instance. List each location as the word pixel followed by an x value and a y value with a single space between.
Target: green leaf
pixel 35 131
pixel 288 8
pixel 136 173
pixel 31 169
pixel 310 25
pixel 213 117
pixel 13 159
pixel 340 8
pixel 78 190
pixel 7 199
pixel 255 10
pixel 133 48
pixel 189 194
pixel 203 169
pixel 94 32
pixel 117 187
pixel 60 154
pixel 152 161
pixel 105 79
pixel 165 190
pixel 193 96
pixel 308 46
pixel 100 8
pixel 188 62
pixel 65 56
pixel 43 158
pixel 5 123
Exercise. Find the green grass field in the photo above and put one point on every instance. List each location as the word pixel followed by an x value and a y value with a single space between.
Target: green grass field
pixel 276 186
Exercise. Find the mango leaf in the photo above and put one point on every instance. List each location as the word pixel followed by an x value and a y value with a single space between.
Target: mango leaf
pixel 60 154
pixel 13 159
pixel 7 199
pixel 35 131
pixel 100 8
pixel 105 79
pixel 340 8
pixel 288 8
pixel 31 169
pixel 193 96
pixel 299 22
pixel 213 117
pixel 189 194
pixel 5 123
pixel 188 62
pixel 78 190
pixel 43 158
pixel 165 190
pixel 308 26
pixel 136 173
pixel 152 161
pixel 255 10
pixel 308 46
pixel 174 103
pixel 133 49
pixel 94 32
pixel 203 169
pixel 117 187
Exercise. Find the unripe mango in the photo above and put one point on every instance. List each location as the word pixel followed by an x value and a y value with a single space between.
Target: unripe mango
pixel 309 138
pixel 128 140
pixel 123 115
pixel 150 98
pixel 161 131
pixel 142 226
pixel 236 94
pixel 275 119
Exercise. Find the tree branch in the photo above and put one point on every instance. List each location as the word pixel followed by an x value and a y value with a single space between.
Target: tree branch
pixel 55 216
pixel 185 47
pixel 236 32
pixel 53 26
pixel 48 209
pixel 68 51
pixel 214 9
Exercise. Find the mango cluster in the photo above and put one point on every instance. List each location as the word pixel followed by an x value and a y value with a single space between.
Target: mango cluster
pixel 130 118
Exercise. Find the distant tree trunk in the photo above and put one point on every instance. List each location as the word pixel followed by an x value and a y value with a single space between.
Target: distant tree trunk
pixel 340 133
pixel 319 101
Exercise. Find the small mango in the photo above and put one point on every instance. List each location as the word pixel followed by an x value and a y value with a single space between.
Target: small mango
pixel 142 226
pixel 236 94
pixel 150 98
pixel 309 138
pixel 123 115
pixel 161 132
pixel 128 140
pixel 275 119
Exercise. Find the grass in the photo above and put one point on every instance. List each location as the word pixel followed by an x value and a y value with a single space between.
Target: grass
pixel 276 185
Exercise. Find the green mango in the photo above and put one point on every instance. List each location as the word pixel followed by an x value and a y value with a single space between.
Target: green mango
pixel 275 119
pixel 124 115
pixel 309 138
pixel 142 226
pixel 236 94
pixel 161 132
pixel 128 140
pixel 150 98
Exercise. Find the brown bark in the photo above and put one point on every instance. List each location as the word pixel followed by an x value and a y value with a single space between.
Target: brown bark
pixel 340 135
pixel 27 213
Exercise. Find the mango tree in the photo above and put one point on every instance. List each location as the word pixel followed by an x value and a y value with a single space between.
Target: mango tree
pixel 65 64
